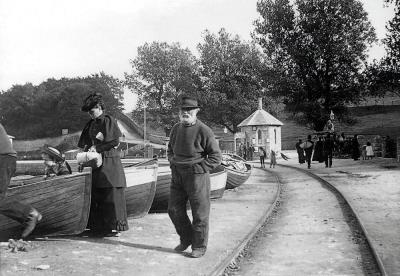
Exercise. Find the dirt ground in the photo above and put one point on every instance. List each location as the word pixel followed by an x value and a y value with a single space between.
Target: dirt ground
pixel 372 187
pixel 147 248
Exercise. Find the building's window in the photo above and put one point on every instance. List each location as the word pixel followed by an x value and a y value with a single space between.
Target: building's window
pixel 254 128
pixel 275 134
pixel 259 136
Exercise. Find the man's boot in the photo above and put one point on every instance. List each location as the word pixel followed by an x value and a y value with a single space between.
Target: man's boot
pixel 30 224
pixel 197 252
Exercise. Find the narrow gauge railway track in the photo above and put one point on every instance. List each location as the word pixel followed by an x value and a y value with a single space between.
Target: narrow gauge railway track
pixel 312 231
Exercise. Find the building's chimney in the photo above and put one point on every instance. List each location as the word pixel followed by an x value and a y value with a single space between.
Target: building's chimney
pixel 259 103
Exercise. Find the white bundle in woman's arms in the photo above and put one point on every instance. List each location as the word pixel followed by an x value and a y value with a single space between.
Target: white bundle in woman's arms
pixel 89 159
pixel 100 136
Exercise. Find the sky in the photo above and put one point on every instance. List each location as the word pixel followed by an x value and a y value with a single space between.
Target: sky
pixel 44 39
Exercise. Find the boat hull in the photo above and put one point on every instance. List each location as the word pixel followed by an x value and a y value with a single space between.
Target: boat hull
pixel 160 202
pixel 217 187
pixel 218 183
pixel 141 188
pixel 141 179
pixel 236 177
pixel 64 202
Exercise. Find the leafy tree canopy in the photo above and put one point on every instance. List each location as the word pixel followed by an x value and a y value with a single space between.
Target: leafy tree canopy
pixel 233 76
pixel 318 50
pixel 30 112
pixel 392 40
pixel 160 73
pixel 384 75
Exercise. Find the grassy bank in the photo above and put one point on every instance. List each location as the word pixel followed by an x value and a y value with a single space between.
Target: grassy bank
pixel 371 120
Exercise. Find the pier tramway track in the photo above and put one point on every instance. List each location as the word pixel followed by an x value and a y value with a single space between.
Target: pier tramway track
pixel 312 230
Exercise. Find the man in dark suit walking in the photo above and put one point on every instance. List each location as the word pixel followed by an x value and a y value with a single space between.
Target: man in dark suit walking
pixel 192 153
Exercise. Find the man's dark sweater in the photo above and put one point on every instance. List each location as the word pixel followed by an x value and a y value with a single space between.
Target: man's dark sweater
pixel 194 145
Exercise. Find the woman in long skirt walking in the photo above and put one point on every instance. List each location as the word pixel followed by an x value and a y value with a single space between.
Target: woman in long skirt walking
pixel 108 213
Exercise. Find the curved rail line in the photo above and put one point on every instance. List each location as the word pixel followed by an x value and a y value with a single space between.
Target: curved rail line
pixel 231 258
pixel 354 212
pixel 235 253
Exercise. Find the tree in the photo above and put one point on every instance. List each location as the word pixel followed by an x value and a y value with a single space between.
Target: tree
pixel 233 77
pixel 318 50
pixel 384 75
pixel 160 73
pixel 392 40
pixel 30 112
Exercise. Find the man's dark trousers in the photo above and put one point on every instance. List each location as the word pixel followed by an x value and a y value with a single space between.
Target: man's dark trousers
pixel 10 208
pixel 186 185
pixel 328 158
pixel 308 156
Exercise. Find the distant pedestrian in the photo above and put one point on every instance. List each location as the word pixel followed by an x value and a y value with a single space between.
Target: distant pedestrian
pixel 319 151
pixel 328 150
pixel 300 152
pixel 364 152
pixel 390 147
pixel 369 150
pixel 355 147
pixel 240 151
pixel 192 152
pixel 330 127
pixel 308 146
pixel 263 154
pixel 15 210
pixel 341 144
pixel 273 159
pixel 251 151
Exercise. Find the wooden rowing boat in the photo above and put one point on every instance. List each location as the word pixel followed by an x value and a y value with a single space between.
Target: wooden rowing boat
pixel 217 187
pixel 141 179
pixel 237 177
pixel 160 202
pixel 64 202
pixel 141 182
pixel 218 178
pixel 238 171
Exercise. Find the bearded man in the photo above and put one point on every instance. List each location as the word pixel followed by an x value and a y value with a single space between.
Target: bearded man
pixel 192 153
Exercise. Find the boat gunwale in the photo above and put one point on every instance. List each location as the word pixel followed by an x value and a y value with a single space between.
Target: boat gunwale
pixel 41 179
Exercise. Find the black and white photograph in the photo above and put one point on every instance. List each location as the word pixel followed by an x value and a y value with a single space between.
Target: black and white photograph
pixel 199 137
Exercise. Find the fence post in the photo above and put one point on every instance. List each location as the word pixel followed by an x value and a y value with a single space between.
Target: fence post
pixel 398 149
pixel 383 145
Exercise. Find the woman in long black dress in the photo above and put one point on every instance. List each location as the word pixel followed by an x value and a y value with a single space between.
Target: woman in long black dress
pixel 101 134
pixel 355 148
pixel 319 151
pixel 300 152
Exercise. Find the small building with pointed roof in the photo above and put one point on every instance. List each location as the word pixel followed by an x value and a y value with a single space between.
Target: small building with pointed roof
pixel 261 129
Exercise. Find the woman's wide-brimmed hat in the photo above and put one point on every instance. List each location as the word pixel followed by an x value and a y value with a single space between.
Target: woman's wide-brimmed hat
pixel 188 102
pixel 52 152
pixel 91 101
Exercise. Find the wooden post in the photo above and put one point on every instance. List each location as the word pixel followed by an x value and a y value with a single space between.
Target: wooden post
pixel 398 149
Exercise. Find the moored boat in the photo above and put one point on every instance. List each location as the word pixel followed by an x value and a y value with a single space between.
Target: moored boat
pixel 64 202
pixel 218 178
pixel 160 202
pixel 141 179
pixel 141 182
pixel 237 170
